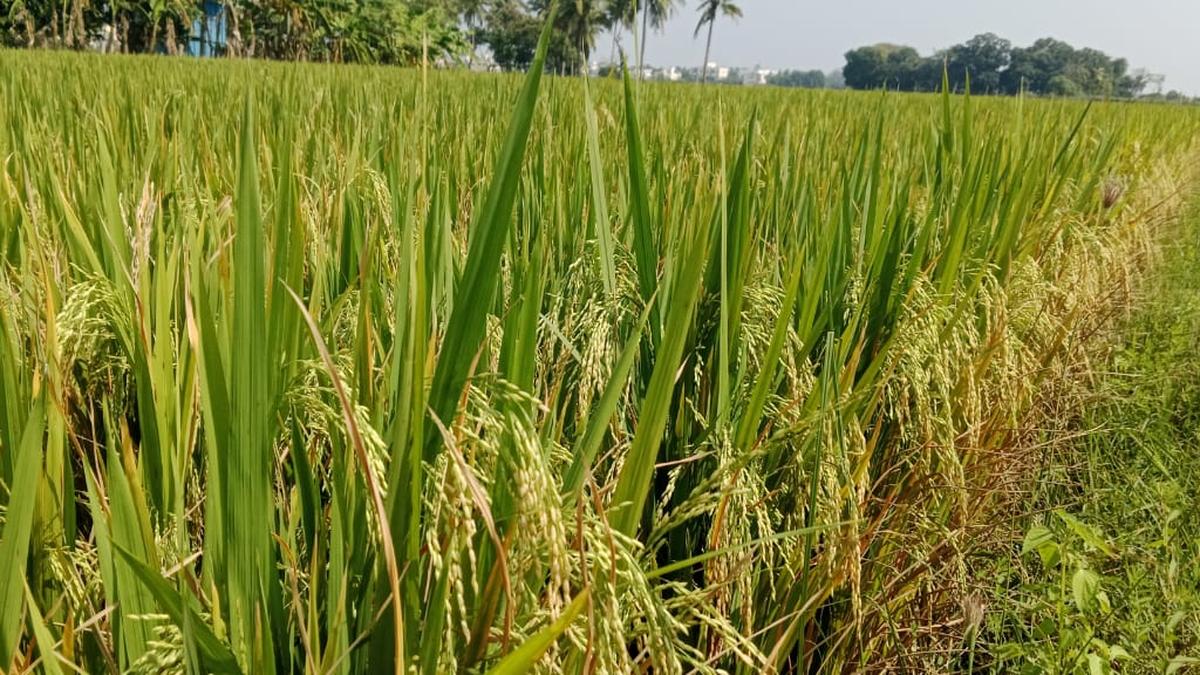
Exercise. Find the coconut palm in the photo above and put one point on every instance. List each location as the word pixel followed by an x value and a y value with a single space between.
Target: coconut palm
pixel 471 13
pixel 654 15
pixel 709 9
pixel 577 22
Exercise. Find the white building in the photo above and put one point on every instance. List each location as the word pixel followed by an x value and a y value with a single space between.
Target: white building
pixel 760 75
pixel 718 72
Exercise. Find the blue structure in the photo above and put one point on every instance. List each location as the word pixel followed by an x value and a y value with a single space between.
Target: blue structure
pixel 209 33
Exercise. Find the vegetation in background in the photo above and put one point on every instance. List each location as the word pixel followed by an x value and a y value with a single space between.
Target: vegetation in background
pixel 807 79
pixel 511 34
pixel 995 66
pixel 654 15
pixel 353 31
pixel 346 370
pixel 348 31
pixel 510 31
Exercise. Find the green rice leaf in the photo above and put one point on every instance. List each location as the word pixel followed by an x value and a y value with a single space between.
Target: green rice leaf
pixel 46 642
pixel 488 237
pixel 14 543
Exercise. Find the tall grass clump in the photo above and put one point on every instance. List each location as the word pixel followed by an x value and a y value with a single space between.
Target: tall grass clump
pixel 338 369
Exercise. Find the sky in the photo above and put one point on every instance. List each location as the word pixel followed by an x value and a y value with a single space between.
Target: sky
pixel 1162 36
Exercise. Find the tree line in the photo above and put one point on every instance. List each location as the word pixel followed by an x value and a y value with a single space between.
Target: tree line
pixel 994 66
pixel 510 28
pixel 807 79
pixel 358 31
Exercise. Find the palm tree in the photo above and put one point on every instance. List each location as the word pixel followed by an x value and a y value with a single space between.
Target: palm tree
pixel 709 9
pixel 472 13
pixel 576 24
pixel 655 13
pixel 623 13
pixel 618 14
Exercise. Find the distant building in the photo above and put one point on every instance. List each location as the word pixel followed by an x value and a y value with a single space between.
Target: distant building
pixel 760 76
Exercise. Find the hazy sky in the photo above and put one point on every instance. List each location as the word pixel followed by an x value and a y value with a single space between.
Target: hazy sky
pixel 1162 36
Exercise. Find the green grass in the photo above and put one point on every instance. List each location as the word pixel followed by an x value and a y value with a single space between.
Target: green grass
pixel 341 369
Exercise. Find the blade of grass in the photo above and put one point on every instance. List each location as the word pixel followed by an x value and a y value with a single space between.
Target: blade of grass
pixel 645 247
pixel 637 471
pixel 14 546
pixel 488 238
pixel 47 656
pixel 599 201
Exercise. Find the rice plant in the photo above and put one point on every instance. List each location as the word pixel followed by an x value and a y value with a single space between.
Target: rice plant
pixel 345 369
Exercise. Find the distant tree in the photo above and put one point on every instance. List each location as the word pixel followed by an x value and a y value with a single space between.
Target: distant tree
pixel 929 73
pixel 807 79
pixel 902 66
pixel 984 57
pixel 835 79
pixel 709 10
pixel 654 15
pixel 619 15
pixel 882 65
pixel 1093 72
pixel 576 25
pixel 1132 85
pixel 1048 66
pixel 1062 85
pixel 1054 67
pixel 864 67
pixel 471 13
pixel 364 31
pixel 1035 66
pixel 511 34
